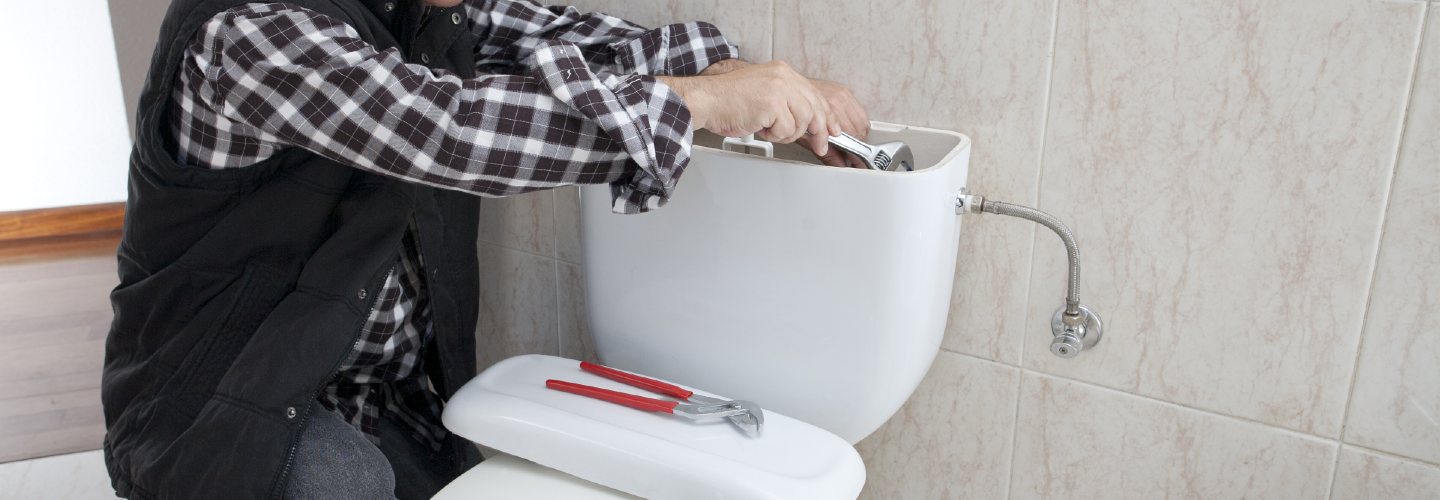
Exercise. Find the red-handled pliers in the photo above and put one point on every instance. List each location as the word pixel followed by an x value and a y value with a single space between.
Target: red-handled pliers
pixel 744 414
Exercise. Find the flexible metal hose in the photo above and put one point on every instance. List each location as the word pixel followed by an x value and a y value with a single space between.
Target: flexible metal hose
pixel 1072 251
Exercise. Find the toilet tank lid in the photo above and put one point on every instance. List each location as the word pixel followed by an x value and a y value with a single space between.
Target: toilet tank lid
pixel 652 455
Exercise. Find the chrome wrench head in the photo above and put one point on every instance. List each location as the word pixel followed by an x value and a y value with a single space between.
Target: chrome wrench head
pixel 901 159
pixel 889 157
pixel 751 419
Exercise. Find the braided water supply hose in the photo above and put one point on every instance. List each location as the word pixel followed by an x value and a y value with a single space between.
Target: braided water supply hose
pixel 1075 327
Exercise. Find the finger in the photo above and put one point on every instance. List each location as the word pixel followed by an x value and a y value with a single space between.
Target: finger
pixel 864 118
pixel 801 113
pixel 816 107
pixel 819 120
pixel 783 130
pixel 819 123
pixel 834 158
pixel 820 134
pixel 854 118
pixel 849 113
pixel 834 122
pixel 858 122
pixel 834 118
pixel 840 116
pixel 854 161
pixel 828 113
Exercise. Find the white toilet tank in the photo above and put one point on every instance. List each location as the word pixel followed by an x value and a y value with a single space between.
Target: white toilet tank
pixel 818 292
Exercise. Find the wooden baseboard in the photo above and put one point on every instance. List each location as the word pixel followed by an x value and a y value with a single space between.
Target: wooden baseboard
pixel 63 222
pixel 59 247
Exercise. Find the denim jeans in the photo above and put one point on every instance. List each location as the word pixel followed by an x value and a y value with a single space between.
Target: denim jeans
pixel 336 461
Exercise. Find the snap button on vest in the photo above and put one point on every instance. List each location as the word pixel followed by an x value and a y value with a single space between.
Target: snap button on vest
pixel 362 294
pixel 425 58
pixel 389 6
pixel 290 412
pixel 455 18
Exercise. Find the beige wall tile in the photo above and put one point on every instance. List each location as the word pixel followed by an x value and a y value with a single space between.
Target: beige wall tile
pixel 1364 476
pixel 1224 165
pixel 575 340
pixel 521 222
pixel 746 23
pixel 1395 405
pixel 517 305
pixel 568 246
pixel 974 66
pixel 1077 441
pixel 951 440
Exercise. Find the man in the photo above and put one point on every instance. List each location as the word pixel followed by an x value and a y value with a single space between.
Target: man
pixel 298 270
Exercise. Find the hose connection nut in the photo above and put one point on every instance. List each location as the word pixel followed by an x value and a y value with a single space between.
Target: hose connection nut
pixel 966 203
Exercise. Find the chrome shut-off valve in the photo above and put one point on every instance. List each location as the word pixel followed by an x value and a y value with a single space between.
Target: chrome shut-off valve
pixel 1074 332
pixel 1075 327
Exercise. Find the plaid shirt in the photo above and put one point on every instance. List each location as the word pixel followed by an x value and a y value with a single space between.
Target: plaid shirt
pixel 564 98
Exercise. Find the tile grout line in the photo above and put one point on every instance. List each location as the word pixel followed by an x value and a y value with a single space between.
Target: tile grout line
pixel 1014 434
pixel 517 250
pixel 1335 466
pixel 774 16
pixel 1393 456
pixel 1403 126
pixel 1155 400
pixel 555 271
pixel 1151 399
pixel 1030 273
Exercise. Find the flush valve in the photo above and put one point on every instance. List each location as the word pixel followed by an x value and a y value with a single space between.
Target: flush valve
pixel 1075 327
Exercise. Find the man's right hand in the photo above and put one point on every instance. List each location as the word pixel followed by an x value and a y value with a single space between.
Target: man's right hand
pixel 770 100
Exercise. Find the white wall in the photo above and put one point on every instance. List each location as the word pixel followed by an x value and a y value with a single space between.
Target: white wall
pixel 63 137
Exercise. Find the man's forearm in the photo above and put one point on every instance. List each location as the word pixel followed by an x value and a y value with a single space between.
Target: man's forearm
pixel 725 66
pixel 694 91
pixel 697 91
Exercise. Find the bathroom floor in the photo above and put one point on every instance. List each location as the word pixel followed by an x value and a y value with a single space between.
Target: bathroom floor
pixel 54 314
pixel 76 476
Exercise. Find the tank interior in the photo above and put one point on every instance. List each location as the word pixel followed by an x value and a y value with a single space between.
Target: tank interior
pixel 929 147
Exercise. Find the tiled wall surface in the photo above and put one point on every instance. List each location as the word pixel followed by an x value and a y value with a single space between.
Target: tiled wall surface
pixel 1255 187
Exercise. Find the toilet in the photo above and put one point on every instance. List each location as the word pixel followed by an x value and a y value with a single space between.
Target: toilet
pixel 819 293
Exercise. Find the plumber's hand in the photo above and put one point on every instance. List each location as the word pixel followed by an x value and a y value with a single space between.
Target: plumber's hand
pixel 852 117
pixel 844 110
pixel 770 100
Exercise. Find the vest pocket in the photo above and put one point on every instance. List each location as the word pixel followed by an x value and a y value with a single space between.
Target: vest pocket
pixel 237 312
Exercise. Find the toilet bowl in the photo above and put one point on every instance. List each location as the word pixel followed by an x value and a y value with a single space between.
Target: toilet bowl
pixel 820 293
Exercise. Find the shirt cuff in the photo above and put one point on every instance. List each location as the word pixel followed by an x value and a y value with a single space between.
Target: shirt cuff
pixel 645 116
pixel 676 50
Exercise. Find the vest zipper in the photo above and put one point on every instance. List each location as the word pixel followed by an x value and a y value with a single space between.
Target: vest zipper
pixel 305 414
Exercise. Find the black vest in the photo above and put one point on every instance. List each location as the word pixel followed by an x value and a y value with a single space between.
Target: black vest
pixel 242 290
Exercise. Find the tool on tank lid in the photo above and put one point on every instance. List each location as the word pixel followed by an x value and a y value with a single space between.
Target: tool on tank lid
pixel 746 415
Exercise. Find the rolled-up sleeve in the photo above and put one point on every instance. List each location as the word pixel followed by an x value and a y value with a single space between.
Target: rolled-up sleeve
pixel 508 30
pixel 302 79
